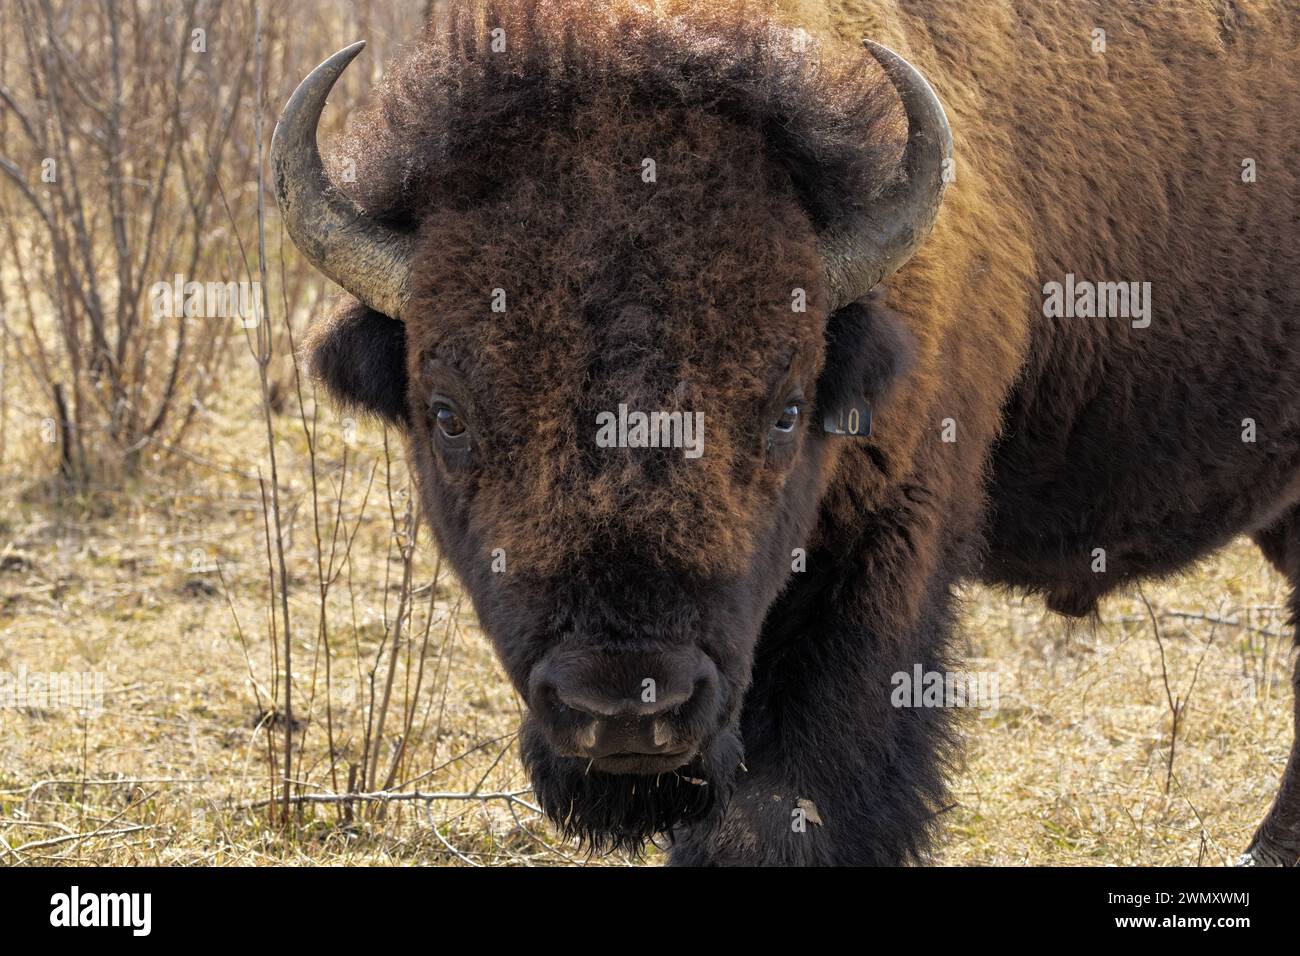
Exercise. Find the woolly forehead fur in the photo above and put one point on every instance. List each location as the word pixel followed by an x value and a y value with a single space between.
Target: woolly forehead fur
pixel 524 171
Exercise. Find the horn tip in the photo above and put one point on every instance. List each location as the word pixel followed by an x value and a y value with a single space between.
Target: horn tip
pixel 883 55
pixel 343 57
pixel 336 63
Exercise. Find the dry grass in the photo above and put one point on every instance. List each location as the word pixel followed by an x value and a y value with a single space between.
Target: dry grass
pixel 1074 768
pixel 1071 770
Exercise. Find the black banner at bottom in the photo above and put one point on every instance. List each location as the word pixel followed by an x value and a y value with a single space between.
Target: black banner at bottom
pixel 368 905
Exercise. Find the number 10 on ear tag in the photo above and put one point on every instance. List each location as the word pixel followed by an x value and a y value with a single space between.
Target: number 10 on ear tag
pixel 853 420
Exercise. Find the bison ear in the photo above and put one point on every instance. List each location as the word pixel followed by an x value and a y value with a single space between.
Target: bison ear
pixel 359 355
pixel 868 348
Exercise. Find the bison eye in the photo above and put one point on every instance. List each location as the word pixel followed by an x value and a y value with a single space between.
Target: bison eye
pixel 449 423
pixel 789 418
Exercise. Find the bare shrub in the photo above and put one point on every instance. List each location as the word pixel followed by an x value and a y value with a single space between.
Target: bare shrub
pixel 129 170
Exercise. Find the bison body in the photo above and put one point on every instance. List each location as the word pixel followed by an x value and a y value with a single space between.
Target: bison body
pixel 649 191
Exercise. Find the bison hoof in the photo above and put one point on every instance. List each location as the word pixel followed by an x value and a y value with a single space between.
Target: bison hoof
pixel 1262 856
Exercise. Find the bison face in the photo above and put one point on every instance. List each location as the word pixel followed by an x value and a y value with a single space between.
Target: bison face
pixel 611 385
pixel 616 339
pixel 619 447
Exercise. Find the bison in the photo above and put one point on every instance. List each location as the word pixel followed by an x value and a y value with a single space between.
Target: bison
pixel 1052 346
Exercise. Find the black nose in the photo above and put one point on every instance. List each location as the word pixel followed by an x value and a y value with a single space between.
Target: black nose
pixel 617 725
pixel 633 709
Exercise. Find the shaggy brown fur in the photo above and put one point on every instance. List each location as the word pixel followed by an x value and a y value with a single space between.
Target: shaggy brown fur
pixel 737 126
pixel 522 171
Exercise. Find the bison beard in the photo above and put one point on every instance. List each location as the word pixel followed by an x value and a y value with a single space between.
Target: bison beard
pixel 625 811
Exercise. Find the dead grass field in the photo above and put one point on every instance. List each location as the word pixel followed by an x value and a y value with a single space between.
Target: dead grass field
pixel 1072 769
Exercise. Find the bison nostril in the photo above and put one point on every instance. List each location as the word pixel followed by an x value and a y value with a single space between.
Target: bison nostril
pixel 622 736
pixel 595 706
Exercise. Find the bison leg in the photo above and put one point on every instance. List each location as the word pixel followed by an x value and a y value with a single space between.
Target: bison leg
pixel 1277 841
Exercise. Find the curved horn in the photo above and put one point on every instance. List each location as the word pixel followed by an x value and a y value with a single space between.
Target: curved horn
pixel 876 242
pixel 369 260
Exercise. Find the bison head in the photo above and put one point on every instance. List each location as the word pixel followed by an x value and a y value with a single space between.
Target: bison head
pixel 606 275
